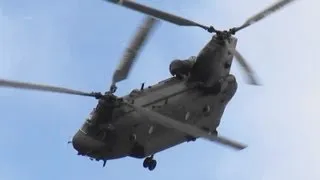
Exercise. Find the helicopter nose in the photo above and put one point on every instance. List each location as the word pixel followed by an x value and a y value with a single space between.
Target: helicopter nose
pixel 85 144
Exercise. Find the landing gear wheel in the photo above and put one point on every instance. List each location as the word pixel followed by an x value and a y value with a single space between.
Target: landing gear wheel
pixel 150 163
pixel 146 162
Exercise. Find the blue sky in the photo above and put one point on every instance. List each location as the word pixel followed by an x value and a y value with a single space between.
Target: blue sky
pixel 77 44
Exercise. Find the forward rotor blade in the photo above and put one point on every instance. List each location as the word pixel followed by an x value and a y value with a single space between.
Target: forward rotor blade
pixel 40 87
pixel 132 51
pixel 185 128
pixel 271 9
pixel 157 13
pixel 252 79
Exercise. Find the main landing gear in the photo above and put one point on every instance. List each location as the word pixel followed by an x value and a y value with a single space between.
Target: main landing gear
pixel 150 163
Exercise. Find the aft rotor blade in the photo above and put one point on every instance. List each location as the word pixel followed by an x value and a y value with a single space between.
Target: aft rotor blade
pixel 157 13
pixel 266 12
pixel 133 50
pixel 185 128
pixel 252 79
pixel 40 87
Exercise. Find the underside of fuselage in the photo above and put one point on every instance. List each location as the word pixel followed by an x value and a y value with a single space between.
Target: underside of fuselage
pixel 123 132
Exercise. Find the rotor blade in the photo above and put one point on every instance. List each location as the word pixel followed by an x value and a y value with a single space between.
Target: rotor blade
pixel 252 79
pixel 39 87
pixel 266 12
pixel 157 13
pixel 132 51
pixel 185 128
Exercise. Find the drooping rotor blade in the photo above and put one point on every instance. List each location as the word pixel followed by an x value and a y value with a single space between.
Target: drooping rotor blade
pixel 271 9
pixel 185 128
pixel 40 87
pixel 157 13
pixel 252 79
pixel 132 51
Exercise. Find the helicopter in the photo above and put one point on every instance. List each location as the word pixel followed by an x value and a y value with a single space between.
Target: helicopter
pixel 187 106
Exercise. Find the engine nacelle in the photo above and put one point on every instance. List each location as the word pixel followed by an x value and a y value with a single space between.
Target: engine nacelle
pixel 181 68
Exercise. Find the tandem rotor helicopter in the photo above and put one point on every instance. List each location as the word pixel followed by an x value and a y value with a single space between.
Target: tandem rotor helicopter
pixel 180 109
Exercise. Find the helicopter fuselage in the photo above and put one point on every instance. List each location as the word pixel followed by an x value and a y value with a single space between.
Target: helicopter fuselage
pixel 114 130
pixel 179 109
